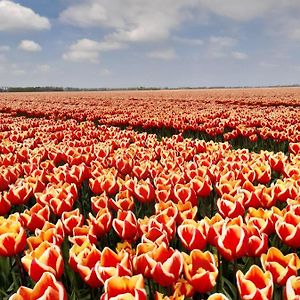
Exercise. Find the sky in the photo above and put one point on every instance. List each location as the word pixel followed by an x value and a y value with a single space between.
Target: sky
pixel 150 43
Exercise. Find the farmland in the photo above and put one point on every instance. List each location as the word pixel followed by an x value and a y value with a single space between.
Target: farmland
pixel 150 194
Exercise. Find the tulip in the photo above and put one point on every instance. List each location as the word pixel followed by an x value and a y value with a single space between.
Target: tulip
pixel 232 242
pixel 288 229
pixel 19 194
pixel 113 264
pixel 125 287
pixel 184 193
pixel 231 206
pixel 292 288
pixel 12 236
pixel 186 211
pixel 123 201
pixel 144 191
pixel 81 234
pixel 281 266
pixel 83 259
pixel 125 225
pixel 193 235
pixel 140 260
pixel 200 270
pixel 71 219
pixel 258 242
pixel 255 284
pixel 165 264
pixel 101 224
pixel 47 288
pixel 35 217
pixel 52 233
pixel 45 258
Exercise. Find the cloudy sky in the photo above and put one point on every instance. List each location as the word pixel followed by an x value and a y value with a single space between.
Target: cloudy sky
pixel 126 43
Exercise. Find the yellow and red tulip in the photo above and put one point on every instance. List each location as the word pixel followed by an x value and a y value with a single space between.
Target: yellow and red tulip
pixel 44 258
pixel 281 266
pixel 47 288
pixel 200 270
pixel 255 284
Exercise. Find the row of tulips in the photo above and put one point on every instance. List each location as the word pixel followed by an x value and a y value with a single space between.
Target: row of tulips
pixel 234 116
pixel 111 212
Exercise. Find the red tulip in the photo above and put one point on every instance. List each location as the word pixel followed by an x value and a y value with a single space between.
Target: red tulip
pixel 281 266
pixel 113 264
pixel 255 284
pixel 288 229
pixel 193 234
pixel 125 225
pixel 232 242
pixel 200 270
pixel 44 258
pixel 12 236
pixel 35 217
pixel 47 288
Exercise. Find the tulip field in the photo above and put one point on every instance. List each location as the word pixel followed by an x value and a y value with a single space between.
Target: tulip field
pixel 189 194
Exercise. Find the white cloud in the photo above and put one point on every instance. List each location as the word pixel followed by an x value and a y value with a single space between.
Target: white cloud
pixel 239 55
pixel 30 46
pixel 163 54
pixel 14 16
pixel 89 50
pixel 131 20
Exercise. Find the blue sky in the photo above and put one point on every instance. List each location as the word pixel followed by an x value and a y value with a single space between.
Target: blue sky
pixel 127 43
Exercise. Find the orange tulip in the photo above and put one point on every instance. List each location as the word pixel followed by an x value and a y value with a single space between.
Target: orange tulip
pixel 261 219
pixel 81 234
pixel 113 264
pixel 288 229
pixel 165 264
pixel 83 259
pixel 255 284
pixel 140 260
pixel 12 236
pixel 101 224
pixel 52 233
pixel 123 201
pixel 71 219
pixel 292 288
pixel 125 287
pixel 281 266
pixel 193 234
pixel 125 225
pixel 200 270
pixel 45 258
pixel 47 288
pixel 35 217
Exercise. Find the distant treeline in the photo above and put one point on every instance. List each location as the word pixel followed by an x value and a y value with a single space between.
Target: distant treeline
pixel 140 88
